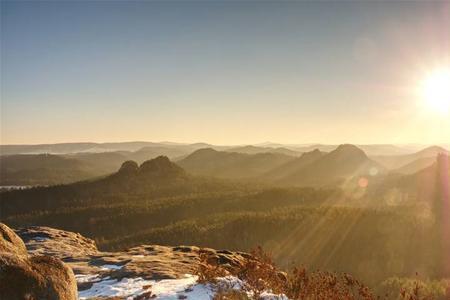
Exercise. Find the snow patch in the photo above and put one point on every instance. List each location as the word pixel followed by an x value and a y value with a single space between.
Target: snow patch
pixel 111 287
pixel 83 278
pixel 167 289
pixel 110 267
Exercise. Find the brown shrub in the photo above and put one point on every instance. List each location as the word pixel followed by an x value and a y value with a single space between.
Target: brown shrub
pixel 259 274
pixel 208 271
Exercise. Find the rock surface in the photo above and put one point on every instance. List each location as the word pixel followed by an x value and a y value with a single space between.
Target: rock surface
pixel 32 277
pixel 10 242
pixel 67 266
pixel 146 262
pixel 54 242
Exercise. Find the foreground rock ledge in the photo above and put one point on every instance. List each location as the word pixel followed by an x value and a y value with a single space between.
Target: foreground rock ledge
pixel 149 262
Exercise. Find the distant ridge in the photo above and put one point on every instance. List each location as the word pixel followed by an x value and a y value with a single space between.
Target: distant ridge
pixel 293 166
pixel 89 147
pixel 70 148
pixel 396 162
pixel 334 168
pixel 422 183
pixel 249 149
pixel 222 164
pixel 43 169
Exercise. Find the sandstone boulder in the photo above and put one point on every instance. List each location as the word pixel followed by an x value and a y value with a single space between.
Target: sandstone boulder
pixel 24 277
pixel 10 242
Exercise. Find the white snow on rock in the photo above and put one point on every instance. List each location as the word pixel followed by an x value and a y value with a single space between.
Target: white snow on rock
pixel 110 267
pixel 83 278
pixel 167 289
pixel 111 287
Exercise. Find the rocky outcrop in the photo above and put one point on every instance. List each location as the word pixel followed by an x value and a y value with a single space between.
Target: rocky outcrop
pixel 47 263
pixel 128 167
pixel 58 243
pixel 37 277
pixel 32 277
pixel 161 166
pixel 10 242
pixel 147 262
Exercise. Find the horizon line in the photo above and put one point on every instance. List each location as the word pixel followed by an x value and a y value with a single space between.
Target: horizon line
pixel 257 144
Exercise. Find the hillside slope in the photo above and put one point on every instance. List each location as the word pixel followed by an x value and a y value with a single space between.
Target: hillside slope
pixel 43 169
pixel 345 163
pixel 291 167
pixel 396 162
pixel 221 164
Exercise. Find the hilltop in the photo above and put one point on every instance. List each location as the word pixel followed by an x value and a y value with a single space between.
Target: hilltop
pixel 231 165
pixel 336 168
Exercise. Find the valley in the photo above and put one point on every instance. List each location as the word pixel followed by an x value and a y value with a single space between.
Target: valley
pixel 309 209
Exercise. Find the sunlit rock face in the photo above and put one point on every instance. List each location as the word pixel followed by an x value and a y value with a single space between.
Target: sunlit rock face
pixel 10 242
pixel 162 271
pixel 32 277
pixel 62 244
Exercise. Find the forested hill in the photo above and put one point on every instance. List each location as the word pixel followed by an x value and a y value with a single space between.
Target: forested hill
pixel 154 178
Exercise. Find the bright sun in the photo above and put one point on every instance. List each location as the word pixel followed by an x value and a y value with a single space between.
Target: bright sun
pixel 436 91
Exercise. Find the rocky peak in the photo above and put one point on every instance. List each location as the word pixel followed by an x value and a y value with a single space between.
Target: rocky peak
pixel 160 165
pixel 128 167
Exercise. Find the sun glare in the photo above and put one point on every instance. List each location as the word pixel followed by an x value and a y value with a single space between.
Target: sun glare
pixel 436 91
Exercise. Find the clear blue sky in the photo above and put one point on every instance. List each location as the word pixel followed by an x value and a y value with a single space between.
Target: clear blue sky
pixel 221 72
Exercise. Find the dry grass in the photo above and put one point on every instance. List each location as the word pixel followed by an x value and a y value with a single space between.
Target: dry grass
pixel 259 274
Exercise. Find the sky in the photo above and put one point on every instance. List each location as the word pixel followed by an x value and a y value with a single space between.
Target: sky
pixel 223 72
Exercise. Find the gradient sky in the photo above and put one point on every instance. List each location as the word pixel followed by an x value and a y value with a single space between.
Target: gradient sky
pixel 221 72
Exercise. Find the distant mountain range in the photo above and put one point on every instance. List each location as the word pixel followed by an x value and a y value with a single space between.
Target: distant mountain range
pixel 288 149
pixel 314 168
pixel 70 148
pixel 279 165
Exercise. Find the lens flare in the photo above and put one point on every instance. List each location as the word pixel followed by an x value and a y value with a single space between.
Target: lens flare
pixel 363 182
